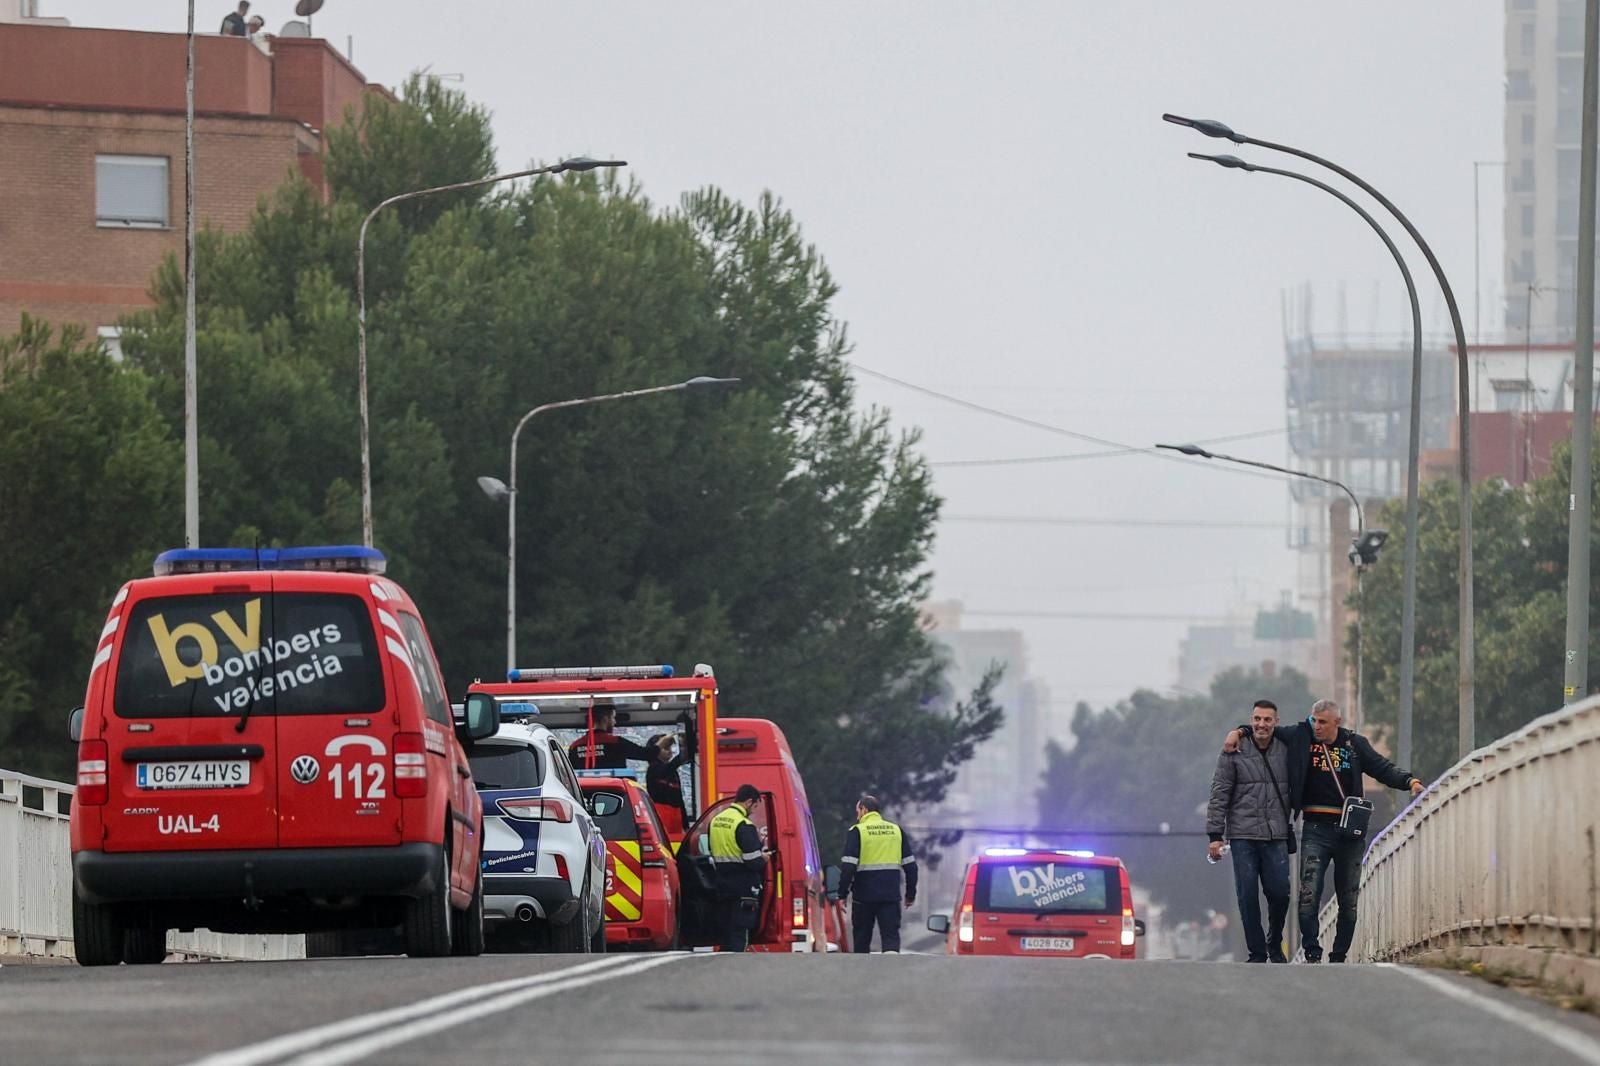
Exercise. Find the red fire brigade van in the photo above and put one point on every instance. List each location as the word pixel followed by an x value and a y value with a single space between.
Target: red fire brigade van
pixel 265 745
pixel 1023 901
pixel 754 751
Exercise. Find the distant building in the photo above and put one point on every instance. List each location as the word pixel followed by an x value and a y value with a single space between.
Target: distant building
pixel 1543 131
pixel 1272 639
pixel 92 152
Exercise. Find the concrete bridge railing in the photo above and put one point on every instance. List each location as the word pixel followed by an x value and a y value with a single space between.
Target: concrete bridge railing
pixel 1499 853
pixel 36 883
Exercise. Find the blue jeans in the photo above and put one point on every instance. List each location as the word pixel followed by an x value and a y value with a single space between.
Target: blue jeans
pixel 1322 846
pixel 1261 866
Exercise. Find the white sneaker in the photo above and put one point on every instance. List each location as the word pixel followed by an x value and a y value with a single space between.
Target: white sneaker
pixel 891 952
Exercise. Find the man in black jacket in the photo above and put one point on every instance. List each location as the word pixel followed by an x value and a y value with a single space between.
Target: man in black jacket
pixel 1326 764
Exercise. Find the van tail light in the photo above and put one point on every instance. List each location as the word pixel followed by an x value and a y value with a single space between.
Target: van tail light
pixel 964 924
pixel 1128 932
pixel 538 809
pixel 410 766
pixel 93 789
pixel 800 912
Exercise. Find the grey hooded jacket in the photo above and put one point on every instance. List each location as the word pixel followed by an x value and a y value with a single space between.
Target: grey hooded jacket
pixel 1245 805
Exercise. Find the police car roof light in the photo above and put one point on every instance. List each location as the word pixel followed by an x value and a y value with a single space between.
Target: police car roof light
pixel 348 558
pixel 1005 851
pixel 587 673
pixel 515 709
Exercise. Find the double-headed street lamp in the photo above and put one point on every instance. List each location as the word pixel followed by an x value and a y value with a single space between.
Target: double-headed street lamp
pixel 1465 738
pixel 1363 546
pixel 1408 612
pixel 496 489
pixel 361 295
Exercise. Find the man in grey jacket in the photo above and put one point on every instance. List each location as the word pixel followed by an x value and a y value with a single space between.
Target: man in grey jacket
pixel 1250 808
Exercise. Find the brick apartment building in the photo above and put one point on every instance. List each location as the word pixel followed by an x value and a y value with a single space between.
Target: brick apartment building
pixel 92 153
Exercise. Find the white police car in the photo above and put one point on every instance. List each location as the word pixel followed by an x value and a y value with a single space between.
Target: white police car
pixel 544 859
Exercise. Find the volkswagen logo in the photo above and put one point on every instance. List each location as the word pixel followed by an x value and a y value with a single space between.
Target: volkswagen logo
pixel 305 769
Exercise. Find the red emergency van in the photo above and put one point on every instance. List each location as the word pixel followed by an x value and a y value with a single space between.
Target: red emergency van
pixel 754 751
pixel 1046 903
pixel 266 746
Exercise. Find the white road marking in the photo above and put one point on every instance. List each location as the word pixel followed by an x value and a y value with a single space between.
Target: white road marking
pixel 1580 1045
pixel 362 1047
pixel 294 1043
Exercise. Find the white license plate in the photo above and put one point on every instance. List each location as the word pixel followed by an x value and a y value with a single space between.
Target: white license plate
pixel 1047 943
pixel 211 773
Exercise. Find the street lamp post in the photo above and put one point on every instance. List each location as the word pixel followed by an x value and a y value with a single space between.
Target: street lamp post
pixel 191 414
pixel 496 489
pixel 1408 611
pixel 1465 716
pixel 577 164
pixel 1363 546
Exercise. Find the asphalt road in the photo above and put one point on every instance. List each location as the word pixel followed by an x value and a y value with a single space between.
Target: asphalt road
pixel 715 1009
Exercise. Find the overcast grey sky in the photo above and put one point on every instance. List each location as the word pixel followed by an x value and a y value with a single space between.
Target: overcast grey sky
pixel 1011 222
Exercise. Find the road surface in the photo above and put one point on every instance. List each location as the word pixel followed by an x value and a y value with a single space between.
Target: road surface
pixel 725 1009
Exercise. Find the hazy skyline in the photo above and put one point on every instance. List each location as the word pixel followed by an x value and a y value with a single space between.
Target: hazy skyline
pixel 1011 223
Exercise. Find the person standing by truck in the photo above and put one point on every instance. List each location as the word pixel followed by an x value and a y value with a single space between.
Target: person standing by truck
pixel 738 861
pixel 876 856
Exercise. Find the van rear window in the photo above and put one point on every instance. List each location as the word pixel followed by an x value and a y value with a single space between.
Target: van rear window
pixel 281 653
pixel 1043 886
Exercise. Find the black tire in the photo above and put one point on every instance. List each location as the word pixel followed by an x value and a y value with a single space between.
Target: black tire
pixel 97 933
pixel 427 923
pixel 468 939
pixel 597 941
pixel 144 946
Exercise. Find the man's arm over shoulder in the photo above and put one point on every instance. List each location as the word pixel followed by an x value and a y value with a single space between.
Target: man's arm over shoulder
pixel 1222 782
pixel 1377 767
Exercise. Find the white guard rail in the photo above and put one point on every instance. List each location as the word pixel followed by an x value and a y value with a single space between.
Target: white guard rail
pixel 1499 851
pixel 36 884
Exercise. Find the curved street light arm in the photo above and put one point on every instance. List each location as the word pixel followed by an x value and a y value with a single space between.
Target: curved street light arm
pixel 1341 486
pixel 361 298
pixel 1467 668
pixel 1408 614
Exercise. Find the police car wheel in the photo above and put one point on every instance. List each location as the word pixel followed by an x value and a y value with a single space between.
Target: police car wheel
pixel 97 931
pixel 427 924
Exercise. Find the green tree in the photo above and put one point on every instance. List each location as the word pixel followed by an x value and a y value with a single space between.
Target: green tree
pixel 90 477
pixel 1136 780
pixel 1519 590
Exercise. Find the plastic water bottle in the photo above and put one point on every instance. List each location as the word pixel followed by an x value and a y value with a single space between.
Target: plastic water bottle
pixel 1225 849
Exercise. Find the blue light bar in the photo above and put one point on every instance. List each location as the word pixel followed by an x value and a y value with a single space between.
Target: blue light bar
pixel 588 673
pixel 1077 854
pixel 347 558
pixel 518 710
pixel 1005 851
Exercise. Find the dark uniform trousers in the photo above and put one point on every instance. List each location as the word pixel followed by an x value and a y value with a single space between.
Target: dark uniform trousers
pixel 864 913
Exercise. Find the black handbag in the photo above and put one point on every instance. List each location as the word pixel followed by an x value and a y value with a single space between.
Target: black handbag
pixel 1290 841
pixel 1355 815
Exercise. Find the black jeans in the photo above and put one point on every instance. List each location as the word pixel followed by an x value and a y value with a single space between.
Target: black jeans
pixel 1262 866
pixel 1320 846
pixel 863 913
pixel 735 917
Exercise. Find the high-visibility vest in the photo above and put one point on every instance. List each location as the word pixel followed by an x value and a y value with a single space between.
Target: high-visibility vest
pixel 725 836
pixel 880 843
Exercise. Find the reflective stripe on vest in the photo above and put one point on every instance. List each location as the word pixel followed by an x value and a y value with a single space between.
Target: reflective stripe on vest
pixel 880 843
pixel 725 836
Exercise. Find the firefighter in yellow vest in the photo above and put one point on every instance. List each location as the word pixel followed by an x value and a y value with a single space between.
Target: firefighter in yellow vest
pixel 738 862
pixel 876 855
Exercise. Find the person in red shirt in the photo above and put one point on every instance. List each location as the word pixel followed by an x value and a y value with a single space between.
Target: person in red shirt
pixel 600 748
